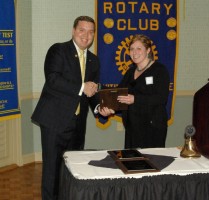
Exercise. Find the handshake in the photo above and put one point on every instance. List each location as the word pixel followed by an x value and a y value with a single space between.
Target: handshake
pixel 90 88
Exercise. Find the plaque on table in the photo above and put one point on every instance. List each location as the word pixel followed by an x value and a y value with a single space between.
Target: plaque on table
pixel 136 166
pixel 108 98
pixel 125 154
pixel 132 161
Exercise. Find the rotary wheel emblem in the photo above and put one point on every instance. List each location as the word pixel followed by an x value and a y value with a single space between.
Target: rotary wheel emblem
pixel 123 60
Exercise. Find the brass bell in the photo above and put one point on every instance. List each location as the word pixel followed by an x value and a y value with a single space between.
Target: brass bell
pixel 190 148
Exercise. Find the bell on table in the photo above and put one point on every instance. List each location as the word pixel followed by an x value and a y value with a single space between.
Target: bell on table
pixel 190 149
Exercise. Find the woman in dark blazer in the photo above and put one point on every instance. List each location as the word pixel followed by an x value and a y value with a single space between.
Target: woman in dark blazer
pixel 145 120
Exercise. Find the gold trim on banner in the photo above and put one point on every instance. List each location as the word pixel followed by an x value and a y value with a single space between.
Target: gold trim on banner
pixel 170 121
pixel 10 117
pixel 96 32
pixel 108 123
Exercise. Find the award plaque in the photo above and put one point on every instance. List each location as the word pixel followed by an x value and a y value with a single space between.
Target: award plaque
pixel 125 154
pixel 108 98
pixel 132 161
pixel 136 166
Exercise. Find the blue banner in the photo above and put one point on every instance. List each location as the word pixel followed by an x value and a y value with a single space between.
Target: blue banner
pixel 9 107
pixel 117 22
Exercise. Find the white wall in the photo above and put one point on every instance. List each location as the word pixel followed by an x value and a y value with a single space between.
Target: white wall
pixel 44 22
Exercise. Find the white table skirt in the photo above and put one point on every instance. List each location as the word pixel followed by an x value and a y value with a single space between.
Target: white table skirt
pixel 78 164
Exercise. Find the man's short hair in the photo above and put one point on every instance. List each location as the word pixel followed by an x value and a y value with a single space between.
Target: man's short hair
pixel 83 18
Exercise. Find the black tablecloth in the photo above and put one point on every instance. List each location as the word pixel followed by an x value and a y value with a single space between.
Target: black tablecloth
pixel 162 187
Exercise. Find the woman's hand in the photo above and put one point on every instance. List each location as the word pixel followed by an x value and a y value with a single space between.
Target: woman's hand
pixel 126 99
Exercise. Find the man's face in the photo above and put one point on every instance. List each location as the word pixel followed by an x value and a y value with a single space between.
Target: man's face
pixel 83 34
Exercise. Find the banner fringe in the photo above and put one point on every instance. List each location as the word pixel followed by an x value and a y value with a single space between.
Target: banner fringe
pixel 108 123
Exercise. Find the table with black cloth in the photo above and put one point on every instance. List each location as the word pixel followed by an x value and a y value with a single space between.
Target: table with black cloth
pixel 93 175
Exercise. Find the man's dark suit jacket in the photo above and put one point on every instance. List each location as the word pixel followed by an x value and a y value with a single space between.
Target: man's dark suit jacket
pixel 59 98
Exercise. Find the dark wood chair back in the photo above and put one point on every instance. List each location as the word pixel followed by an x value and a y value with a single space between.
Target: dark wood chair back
pixel 201 119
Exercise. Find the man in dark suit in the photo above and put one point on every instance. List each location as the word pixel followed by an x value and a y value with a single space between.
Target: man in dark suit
pixel 62 109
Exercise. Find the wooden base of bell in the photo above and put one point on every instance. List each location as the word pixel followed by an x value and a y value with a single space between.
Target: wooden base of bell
pixel 190 150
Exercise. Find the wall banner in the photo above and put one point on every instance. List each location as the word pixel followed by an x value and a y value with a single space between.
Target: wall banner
pixel 9 107
pixel 117 22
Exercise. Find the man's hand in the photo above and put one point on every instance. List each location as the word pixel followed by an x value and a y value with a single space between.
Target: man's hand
pixel 90 88
pixel 105 111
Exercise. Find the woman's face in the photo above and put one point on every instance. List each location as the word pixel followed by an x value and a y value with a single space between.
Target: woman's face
pixel 138 52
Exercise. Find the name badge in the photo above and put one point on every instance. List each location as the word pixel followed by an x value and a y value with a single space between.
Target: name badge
pixel 149 80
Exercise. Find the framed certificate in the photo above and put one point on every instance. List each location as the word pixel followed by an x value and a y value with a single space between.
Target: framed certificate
pixel 136 166
pixel 125 154
pixel 108 98
pixel 132 161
